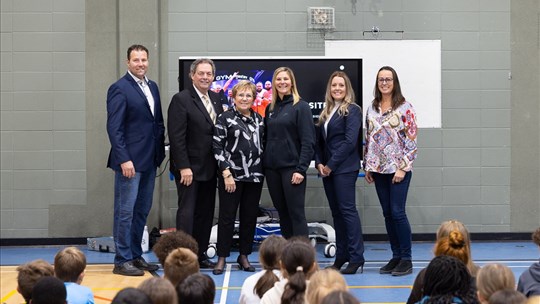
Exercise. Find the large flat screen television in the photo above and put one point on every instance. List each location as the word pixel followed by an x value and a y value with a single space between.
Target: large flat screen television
pixel 311 75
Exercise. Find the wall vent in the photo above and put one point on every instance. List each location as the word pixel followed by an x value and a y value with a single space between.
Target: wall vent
pixel 321 18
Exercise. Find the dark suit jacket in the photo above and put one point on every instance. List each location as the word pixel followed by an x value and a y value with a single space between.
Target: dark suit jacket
pixel 191 134
pixel 340 148
pixel 134 133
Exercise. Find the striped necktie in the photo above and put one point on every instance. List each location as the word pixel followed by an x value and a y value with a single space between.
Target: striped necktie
pixel 209 108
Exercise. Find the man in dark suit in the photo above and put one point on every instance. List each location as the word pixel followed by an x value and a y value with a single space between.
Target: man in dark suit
pixel 191 118
pixel 136 132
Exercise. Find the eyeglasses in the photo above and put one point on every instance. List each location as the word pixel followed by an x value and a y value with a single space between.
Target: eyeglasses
pixel 387 80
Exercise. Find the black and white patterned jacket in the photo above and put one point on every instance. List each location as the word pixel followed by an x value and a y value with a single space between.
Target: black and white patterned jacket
pixel 238 146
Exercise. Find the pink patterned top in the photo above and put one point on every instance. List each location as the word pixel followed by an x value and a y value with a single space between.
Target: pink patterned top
pixel 390 139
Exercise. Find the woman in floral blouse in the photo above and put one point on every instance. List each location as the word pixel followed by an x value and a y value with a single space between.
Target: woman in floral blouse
pixel 238 151
pixel 390 150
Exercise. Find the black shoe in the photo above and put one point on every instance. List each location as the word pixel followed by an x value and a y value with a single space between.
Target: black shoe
pixel 220 267
pixel 127 269
pixel 206 264
pixel 389 266
pixel 243 264
pixel 352 268
pixel 338 263
pixel 144 265
pixel 403 268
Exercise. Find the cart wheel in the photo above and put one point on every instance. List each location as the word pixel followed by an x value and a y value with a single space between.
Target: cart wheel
pixel 330 250
pixel 313 241
pixel 211 251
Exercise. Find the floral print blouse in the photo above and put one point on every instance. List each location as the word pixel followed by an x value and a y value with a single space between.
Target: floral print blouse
pixel 390 139
pixel 238 146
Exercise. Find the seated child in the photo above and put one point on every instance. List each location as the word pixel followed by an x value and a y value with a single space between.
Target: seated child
pixel 49 290
pixel 69 265
pixel 29 274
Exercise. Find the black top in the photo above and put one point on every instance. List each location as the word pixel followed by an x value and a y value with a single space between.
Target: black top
pixel 237 145
pixel 289 135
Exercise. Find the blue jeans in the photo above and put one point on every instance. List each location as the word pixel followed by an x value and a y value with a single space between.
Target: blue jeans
pixel 393 198
pixel 132 203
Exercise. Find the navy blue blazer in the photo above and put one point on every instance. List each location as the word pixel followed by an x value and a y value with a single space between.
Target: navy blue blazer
pixel 340 148
pixel 135 134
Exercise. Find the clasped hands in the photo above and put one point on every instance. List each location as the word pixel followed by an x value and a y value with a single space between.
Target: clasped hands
pixel 324 171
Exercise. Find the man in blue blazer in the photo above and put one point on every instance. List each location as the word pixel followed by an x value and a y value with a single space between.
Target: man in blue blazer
pixel 136 132
pixel 191 119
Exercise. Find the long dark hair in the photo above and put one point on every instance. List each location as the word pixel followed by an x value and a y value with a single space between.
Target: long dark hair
pixel 397 98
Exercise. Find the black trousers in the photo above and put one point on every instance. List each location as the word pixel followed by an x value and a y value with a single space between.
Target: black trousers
pixel 246 196
pixel 289 201
pixel 195 214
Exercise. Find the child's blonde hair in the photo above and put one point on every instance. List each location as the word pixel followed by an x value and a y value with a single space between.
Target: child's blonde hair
pixel 493 277
pixel 322 283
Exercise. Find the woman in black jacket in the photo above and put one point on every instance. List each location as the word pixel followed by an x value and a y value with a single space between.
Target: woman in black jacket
pixel 289 149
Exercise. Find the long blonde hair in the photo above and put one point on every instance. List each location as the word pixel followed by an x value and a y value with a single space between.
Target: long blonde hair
pixel 444 231
pixel 329 102
pixel 294 89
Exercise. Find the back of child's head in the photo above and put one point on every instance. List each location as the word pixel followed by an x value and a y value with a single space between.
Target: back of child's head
pixel 340 297
pixel 447 278
pixel 269 255
pixel 69 264
pixel 493 277
pixel 130 295
pixel 451 227
pixel 323 282
pixel 453 245
pixel 507 296
pixel 49 290
pixel 198 288
pixel 160 290
pixel 29 274
pixel 536 236
pixel 297 264
pixel 180 264
pixel 173 240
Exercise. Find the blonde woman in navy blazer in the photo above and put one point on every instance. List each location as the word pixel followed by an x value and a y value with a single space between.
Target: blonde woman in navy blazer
pixel 337 159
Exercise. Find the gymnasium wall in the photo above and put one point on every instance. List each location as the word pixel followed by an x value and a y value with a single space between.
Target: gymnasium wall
pixel 58 58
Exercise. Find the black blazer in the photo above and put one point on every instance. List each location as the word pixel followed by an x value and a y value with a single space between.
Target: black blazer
pixel 191 132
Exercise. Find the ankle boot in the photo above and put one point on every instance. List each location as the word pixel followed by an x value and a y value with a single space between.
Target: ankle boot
pixel 403 268
pixel 389 266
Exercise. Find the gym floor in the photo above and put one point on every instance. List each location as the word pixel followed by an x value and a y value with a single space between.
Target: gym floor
pixel 369 286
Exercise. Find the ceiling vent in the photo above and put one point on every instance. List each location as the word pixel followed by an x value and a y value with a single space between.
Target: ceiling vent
pixel 321 18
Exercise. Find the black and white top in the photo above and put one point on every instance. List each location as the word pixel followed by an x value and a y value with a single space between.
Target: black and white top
pixel 237 145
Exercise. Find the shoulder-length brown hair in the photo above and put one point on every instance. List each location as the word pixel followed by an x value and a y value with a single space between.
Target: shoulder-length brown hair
pixel 397 98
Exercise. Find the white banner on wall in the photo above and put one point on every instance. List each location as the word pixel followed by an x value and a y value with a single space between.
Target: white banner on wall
pixel 417 62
